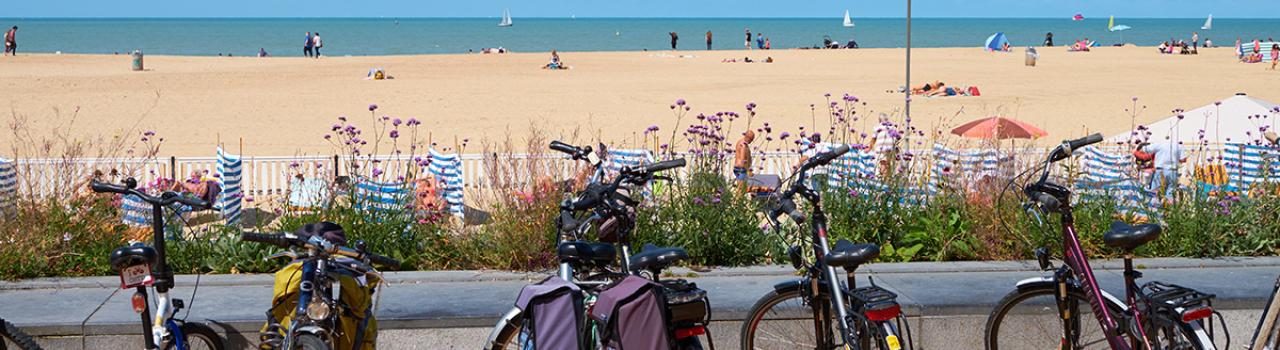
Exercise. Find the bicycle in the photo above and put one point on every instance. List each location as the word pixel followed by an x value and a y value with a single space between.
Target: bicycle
pixel 10 335
pixel 135 264
pixel 316 318
pixel 801 313
pixel 1153 316
pixel 1267 335
pixel 610 210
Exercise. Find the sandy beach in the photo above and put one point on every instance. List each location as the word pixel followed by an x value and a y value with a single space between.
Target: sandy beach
pixel 283 106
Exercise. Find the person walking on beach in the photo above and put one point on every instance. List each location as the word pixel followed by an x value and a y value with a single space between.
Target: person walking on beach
pixel 674 37
pixel 317 43
pixel 306 46
pixel 708 40
pixel 1275 55
pixel 1195 42
pixel 748 42
pixel 11 41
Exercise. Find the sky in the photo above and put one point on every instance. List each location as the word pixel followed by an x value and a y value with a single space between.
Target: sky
pixel 639 8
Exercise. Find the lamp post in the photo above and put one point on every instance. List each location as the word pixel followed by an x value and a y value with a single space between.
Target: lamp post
pixel 907 91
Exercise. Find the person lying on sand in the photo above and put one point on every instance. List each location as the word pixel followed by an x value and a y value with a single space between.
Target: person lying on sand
pixel 378 74
pixel 1079 46
pixel 927 88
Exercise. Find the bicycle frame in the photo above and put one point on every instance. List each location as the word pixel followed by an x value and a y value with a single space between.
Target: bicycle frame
pixel 1078 268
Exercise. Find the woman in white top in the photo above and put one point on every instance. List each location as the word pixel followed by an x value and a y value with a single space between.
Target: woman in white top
pixel 315 40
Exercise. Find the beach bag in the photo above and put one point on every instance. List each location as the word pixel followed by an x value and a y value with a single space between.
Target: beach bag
pixel 356 324
pixel 973 91
pixel 633 312
pixel 551 308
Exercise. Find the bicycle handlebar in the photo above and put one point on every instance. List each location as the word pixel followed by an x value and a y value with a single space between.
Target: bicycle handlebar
pixel 287 240
pixel 659 166
pixel 1064 150
pixel 164 199
pixel 565 148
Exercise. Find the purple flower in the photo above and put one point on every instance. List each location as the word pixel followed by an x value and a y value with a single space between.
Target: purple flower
pixel 149 133
pixel 336 127
pixel 680 102
pixel 373 107
pixel 413 122
pixel 784 135
pixel 377 172
pixel 395 134
pixel 342 118
pixel 1134 98
pixel 396 122
pixel 697 200
pixel 1217 103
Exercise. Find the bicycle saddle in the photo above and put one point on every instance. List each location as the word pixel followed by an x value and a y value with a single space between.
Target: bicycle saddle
pixel 849 255
pixel 1130 237
pixel 586 253
pixel 654 258
pixel 132 255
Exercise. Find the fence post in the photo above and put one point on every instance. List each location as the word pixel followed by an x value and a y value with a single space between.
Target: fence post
pixel 173 167
pixel 336 173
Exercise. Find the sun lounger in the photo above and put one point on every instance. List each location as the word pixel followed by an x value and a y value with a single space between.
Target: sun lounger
pixel 448 170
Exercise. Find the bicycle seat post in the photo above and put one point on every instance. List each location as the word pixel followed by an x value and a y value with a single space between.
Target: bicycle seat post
pixel 1130 277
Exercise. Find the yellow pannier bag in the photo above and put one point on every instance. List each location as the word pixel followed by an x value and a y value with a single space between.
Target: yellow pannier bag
pixel 355 311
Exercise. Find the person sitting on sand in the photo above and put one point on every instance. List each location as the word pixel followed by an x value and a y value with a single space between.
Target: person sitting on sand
pixel 1006 47
pixel 263 52
pixel 555 62
pixel 927 87
pixel 1255 57
pixel 768 59
pixel 1164 47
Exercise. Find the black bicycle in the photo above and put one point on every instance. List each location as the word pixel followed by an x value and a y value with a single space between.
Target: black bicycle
pixel 608 208
pixel 10 335
pixel 820 311
pixel 141 266
pixel 315 322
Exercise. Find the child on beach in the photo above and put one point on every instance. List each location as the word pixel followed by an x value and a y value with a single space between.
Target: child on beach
pixel 11 41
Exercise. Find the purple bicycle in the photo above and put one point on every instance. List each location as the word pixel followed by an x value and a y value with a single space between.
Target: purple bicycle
pixel 1049 312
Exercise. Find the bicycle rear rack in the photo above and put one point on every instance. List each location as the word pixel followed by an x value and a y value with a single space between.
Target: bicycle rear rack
pixel 1175 303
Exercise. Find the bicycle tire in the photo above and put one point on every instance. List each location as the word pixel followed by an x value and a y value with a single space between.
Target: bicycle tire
pixel 506 337
pixel 310 342
pixel 10 334
pixel 1045 314
pixel 198 336
pixel 751 325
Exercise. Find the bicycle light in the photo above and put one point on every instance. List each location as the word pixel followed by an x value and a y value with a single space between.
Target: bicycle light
pixel 317 310
pixel 139 302
pixel 884 313
pixel 797 257
pixel 1196 313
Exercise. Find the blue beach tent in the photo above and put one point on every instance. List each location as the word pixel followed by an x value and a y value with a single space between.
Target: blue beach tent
pixel 996 42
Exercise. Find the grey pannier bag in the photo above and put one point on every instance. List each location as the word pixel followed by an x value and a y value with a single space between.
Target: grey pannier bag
pixel 633 315
pixel 551 308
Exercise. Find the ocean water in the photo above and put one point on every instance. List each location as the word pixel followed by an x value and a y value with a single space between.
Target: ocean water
pixel 388 36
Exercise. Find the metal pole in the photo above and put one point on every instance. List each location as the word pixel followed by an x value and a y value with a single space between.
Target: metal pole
pixel 907 90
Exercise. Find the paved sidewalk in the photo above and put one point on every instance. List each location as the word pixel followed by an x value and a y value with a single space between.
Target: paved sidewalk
pixel 948 302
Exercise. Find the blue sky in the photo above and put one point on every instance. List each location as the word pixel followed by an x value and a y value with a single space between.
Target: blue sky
pixel 637 8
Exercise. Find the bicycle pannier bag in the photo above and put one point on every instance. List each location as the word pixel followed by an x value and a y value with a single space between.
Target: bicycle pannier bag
pixel 550 311
pixel 633 314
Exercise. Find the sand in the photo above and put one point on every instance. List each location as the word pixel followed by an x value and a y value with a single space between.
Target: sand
pixel 283 106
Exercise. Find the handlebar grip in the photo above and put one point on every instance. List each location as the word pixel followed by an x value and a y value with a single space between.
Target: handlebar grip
pixel 278 240
pixel 194 203
pixel 1085 141
pixel 828 156
pixel 101 187
pixel 660 166
pixel 787 206
pixel 384 261
pixel 564 147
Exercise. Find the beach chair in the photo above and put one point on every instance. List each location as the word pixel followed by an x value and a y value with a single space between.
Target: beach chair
pixel 306 195
pixel 1250 165
pixel 230 174
pixel 8 186
pixel 383 198
pixel 1106 176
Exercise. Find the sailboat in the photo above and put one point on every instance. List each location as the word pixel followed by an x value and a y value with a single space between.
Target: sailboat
pixel 506 19
pixel 1208 23
pixel 848 22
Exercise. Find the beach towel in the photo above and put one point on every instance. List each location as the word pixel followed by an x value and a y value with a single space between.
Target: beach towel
pixel 447 168
pixel 1249 165
pixel 230 173
pixel 8 186
pixel 1107 176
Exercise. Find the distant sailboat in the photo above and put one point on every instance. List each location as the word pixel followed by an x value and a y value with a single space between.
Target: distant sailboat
pixel 848 22
pixel 1208 23
pixel 506 19
pixel 1112 26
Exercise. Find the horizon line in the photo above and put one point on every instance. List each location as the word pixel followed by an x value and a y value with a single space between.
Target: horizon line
pixel 588 17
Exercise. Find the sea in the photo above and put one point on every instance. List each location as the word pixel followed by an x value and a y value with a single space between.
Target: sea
pixel 412 36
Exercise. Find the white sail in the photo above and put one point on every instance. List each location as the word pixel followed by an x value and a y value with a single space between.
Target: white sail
pixel 848 22
pixel 1208 23
pixel 506 19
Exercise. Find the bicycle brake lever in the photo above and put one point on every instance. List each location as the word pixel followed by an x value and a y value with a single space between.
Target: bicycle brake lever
pixel 288 253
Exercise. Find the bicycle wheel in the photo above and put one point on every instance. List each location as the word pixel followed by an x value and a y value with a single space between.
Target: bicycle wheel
pixel 11 336
pixel 310 342
pixel 786 321
pixel 198 336
pixel 1028 319
pixel 1187 336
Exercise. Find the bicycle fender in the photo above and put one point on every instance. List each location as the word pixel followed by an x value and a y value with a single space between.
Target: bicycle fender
pixel 1045 282
pixel 510 319
pixel 799 284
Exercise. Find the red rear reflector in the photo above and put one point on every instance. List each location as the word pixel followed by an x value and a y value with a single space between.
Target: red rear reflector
pixel 139 302
pixel 884 314
pixel 690 332
pixel 1196 313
